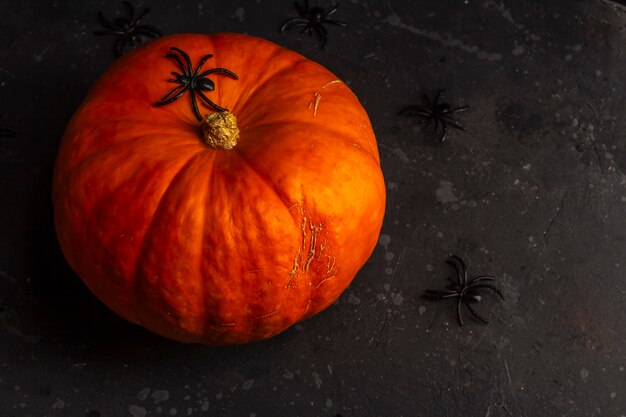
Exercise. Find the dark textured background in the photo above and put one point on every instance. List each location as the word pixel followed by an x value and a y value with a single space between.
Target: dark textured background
pixel 532 192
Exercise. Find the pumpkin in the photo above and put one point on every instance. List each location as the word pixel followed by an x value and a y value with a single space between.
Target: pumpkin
pixel 177 230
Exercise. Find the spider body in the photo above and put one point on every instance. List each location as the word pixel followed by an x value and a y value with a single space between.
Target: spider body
pixel 313 19
pixel 440 114
pixel 466 291
pixel 193 81
pixel 128 30
pixel 7 132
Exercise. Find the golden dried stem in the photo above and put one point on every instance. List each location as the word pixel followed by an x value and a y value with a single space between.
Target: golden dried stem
pixel 219 130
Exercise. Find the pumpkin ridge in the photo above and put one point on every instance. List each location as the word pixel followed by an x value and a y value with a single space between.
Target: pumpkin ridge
pixel 249 99
pixel 86 159
pixel 260 85
pixel 203 292
pixel 333 133
pixel 142 252
pixel 85 166
pixel 271 185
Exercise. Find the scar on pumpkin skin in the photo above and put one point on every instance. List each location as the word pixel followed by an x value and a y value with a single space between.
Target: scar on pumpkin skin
pixel 322 246
pixel 324 280
pixel 330 265
pixel 339 81
pixel 296 264
pixel 318 97
pixel 296 261
pixel 331 82
pixel 314 231
pixel 271 313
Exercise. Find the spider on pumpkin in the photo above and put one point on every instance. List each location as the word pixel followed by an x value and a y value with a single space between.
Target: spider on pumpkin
pixel 192 81
pixel 128 30
pixel 435 112
pixel 465 291
pixel 313 19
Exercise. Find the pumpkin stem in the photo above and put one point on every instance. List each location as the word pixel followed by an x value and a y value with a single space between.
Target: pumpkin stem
pixel 219 130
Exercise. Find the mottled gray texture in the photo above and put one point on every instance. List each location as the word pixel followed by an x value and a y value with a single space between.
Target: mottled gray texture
pixel 533 192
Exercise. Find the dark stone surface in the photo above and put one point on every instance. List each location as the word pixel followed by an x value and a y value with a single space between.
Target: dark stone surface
pixel 532 192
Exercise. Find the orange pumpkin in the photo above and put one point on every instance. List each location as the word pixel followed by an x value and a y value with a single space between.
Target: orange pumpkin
pixel 201 243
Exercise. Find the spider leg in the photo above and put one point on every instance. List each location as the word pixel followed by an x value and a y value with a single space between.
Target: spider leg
pixel 410 110
pixel 178 92
pixel 491 287
pixel 293 22
pixel 106 24
pixel 7 132
pixel 427 101
pixel 322 33
pixel 131 11
pixel 418 111
pixel 302 11
pixel 180 64
pixel 460 267
pixel 194 103
pixel 336 22
pixel 142 15
pixel 457 110
pixel 106 32
pixel 182 53
pixel 148 30
pixel 458 311
pixel 209 102
pixel 437 95
pixel 452 122
pixel 448 112
pixel 175 74
pixel 479 279
pixel 440 294
pixel 220 71
pixel 202 61
pixel 443 135
pixel 301 24
pixel 331 11
pixel 333 21
pixel 475 314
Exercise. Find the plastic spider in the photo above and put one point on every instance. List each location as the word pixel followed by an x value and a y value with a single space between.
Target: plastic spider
pixel 193 82
pixel 7 132
pixel 312 19
pixel 435 112
pixel 130 33
pixel 466 291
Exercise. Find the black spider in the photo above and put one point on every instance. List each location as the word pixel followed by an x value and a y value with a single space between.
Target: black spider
pixel 192 81
pixel 466 291
pixel 128 30
pixel 7 132
pixel 312 19
pixel 435 112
